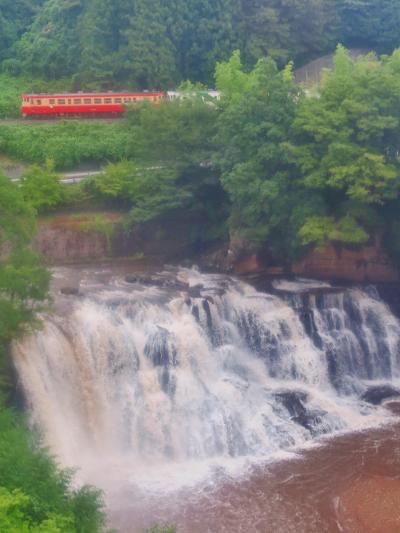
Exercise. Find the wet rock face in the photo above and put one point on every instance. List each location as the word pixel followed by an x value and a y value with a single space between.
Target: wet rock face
pixel 69 291
pixel 63 245
pixel 157 281
pixel 294 401
pixel 358 264
pixel 377 394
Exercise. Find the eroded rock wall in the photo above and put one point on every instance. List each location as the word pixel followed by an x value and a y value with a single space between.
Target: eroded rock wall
pixel 69 242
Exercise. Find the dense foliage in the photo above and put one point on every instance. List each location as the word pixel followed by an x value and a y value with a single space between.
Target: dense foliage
pixel 23 281
pixel 268 201
pixel 297 169
pixel 35 495
pixel 172 146
pixel 345 144
pixel 269 162
pixel 152 43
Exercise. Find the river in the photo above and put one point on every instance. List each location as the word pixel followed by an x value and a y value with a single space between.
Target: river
pixel 198 400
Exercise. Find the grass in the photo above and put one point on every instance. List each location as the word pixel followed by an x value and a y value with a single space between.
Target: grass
pixel 67 143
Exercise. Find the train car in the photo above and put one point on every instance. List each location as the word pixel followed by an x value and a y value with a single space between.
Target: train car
pixel 83 104
pixel 205 95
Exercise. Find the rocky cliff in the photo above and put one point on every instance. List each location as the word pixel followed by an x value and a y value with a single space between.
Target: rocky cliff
pixel 359 264
pixel 68 240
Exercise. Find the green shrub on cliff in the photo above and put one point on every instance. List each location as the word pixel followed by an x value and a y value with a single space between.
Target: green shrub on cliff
pixel 35 495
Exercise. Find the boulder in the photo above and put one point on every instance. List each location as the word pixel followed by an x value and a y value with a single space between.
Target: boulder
pixel 294 401
pixel 378 393
pixel 131 279
pixel 195 291
pixel 69 291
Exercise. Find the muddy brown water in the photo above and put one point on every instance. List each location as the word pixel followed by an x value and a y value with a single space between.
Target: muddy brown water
pixel 348 484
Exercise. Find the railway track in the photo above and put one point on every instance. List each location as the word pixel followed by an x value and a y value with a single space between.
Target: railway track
pixel 35 122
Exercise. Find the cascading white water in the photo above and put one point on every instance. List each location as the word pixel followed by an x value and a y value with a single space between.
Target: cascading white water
pixel 150 374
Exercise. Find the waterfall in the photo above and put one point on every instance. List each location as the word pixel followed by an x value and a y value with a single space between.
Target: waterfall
pixel 198 366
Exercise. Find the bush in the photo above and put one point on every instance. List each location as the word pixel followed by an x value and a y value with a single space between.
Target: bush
pixel 41 188
pixel 35 495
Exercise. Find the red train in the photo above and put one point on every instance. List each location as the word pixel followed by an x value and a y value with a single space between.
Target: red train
pixel 83 104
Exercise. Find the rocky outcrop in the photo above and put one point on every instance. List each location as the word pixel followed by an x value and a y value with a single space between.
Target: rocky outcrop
pixel 68 240
pixel 65 245
pixel 379 393
pixel 366 264
pixel 89 237
pixel 294 402
pixel 362 265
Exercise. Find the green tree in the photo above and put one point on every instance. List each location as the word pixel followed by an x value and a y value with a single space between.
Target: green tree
pixel 287 29
pixel 346 142
pixel 15 18
pixel 35 495
pixel 148 55
pixel 150 192
pixel 268 201
pixel 16 515
pixel 372 24
pixel 23 280
pixel 41 187
pixel 174 134
pixel 231 80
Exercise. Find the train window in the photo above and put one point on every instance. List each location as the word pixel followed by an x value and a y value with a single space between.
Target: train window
pixel 97 100
pixel 52 101
pixel 69 100
pixel 61 101
pixel 87 100
pixel 107 100
pixel 117 100
pixel 134 99
pixel 38 102
pixel 154 99
pixel 127 99
pixel 77 101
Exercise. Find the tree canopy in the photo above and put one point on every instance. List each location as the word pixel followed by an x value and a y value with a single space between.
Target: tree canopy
pixel 23 280
pixel 289 169
pixel 151 43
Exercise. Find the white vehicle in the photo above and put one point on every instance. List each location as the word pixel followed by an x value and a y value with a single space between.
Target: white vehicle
pixel 205 95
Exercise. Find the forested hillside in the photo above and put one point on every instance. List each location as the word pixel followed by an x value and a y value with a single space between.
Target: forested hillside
pixel 152 43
